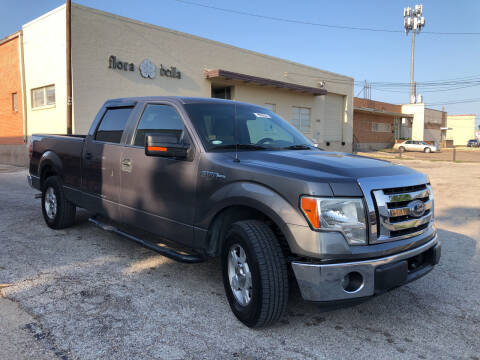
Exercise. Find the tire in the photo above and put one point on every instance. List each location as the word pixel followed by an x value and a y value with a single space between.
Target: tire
pixel 427 150
pixel 57 211
pixel 401 149
pixel 264 259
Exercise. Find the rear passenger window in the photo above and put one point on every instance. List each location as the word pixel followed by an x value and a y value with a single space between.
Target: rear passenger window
pixel 158 118
pixel 112 125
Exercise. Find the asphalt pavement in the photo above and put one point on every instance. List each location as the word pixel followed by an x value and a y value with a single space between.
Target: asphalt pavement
pixel 82 293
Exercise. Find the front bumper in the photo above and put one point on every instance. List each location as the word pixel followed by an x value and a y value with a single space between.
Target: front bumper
pixel 350 280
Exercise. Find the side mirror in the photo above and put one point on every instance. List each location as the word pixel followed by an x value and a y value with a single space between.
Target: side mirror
pixel 165 146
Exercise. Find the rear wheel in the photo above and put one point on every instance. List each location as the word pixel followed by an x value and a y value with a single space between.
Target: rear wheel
pixel 254 273
pixel 401 149
pixel 427 150
pixel 57 211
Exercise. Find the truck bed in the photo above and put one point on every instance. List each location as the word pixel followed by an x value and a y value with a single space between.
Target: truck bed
pixel 68 148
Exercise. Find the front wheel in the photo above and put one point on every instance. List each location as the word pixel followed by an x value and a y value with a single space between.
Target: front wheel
pixel 57 211
pixel 254 273
pixel 401 149
pixel 427 150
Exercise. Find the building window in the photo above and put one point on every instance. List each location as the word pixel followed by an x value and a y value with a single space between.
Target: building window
pixel 271 107
pixel 301 118
pixel 381 127
pixel 224 92
pixel 14 102
pixel 44 96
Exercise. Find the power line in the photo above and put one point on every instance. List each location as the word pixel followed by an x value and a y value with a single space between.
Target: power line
pixel 304 22
pixel 452 102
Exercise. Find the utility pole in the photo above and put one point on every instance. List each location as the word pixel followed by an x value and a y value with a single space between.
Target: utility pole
pixel 68 8
pixel 413 21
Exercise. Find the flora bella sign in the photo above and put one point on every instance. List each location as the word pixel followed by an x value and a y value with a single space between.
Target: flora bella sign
pixel 147 69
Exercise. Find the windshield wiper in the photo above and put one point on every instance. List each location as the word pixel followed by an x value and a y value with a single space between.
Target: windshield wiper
pixel 300 147
pixel 240 146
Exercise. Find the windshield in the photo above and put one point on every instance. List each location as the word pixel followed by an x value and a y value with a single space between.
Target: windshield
pixel 257 128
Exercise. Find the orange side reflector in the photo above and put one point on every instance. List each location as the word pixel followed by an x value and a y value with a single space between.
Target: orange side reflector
pixel 309 208
pixel 156 148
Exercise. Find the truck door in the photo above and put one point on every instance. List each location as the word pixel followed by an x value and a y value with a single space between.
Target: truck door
pixel 158 193
pixel 101 162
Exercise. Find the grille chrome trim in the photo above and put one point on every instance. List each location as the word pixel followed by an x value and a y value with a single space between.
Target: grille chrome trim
pixel 387 216
pixel 394 186
pixel 407 196
pixel 403 225
pixel 405 211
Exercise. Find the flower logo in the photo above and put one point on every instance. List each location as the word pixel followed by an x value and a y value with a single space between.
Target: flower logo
pixel 148 69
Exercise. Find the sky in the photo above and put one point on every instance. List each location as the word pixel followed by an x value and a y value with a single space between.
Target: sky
pixel 364 55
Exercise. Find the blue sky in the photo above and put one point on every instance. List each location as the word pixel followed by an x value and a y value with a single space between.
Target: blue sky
pixel 371 56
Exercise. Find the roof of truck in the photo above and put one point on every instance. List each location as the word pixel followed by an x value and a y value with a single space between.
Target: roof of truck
pixel 181 99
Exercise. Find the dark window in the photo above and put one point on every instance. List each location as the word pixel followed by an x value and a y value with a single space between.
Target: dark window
pixel 112 125
pixel 14 102
pixel 222 92
pixel 159 119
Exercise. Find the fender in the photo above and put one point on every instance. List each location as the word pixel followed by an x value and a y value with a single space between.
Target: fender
pixel 256 196
pixel 52 160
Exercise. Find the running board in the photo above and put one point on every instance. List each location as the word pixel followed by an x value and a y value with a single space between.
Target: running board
pixel 172 254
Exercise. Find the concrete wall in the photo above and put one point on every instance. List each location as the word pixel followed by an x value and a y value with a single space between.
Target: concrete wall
pixel 45 64
pixel 11 120
pixel 432 135
pixel 463 128
pixel 13 154
pixel 418 124
pixel 97 35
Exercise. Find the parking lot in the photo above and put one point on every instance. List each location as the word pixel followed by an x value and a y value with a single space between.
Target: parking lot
pixel 82 293
pixel 458 155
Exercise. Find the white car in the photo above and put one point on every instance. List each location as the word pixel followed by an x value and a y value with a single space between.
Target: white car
pixel 414 145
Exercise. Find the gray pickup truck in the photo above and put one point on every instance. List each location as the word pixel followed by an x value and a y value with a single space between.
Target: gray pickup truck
pixel 213 177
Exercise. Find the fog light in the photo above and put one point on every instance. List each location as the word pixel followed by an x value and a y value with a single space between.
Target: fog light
pixel 352 282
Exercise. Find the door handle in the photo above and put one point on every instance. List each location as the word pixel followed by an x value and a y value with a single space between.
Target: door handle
pixel 127 165
pixel 88 156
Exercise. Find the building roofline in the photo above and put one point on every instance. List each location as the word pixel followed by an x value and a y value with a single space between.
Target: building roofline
pixel 195 37
pixel 381 112
pixel 41 17
pixel 462 115
pixel 10 37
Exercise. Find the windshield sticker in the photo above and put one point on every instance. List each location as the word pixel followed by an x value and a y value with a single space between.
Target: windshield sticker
pixel 260 115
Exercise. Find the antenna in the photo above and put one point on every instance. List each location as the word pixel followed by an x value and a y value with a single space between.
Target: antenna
pixel 236 135
pixel 414 21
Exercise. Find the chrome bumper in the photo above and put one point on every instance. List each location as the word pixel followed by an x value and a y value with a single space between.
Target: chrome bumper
pixel 340 281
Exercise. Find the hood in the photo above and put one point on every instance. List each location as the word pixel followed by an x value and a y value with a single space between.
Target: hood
pixel 329 166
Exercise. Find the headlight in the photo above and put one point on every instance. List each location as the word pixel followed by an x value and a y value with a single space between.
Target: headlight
pixel 346 215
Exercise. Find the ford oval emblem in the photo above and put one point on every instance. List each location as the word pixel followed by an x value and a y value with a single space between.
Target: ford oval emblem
pixel 417 208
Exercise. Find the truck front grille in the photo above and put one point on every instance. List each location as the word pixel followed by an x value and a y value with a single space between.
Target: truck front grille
pixel 399 212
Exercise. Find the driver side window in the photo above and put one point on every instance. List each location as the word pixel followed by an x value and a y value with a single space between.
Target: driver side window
pixel 159 119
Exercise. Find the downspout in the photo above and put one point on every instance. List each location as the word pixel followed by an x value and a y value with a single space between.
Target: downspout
pixel 22 82
pixel 68 47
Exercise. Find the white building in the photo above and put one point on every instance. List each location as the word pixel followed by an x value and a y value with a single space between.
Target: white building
pixel 107 53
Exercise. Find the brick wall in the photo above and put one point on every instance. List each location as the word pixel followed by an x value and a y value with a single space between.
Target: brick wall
pixel 11 121
pixel 362 128
pixel 377 105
